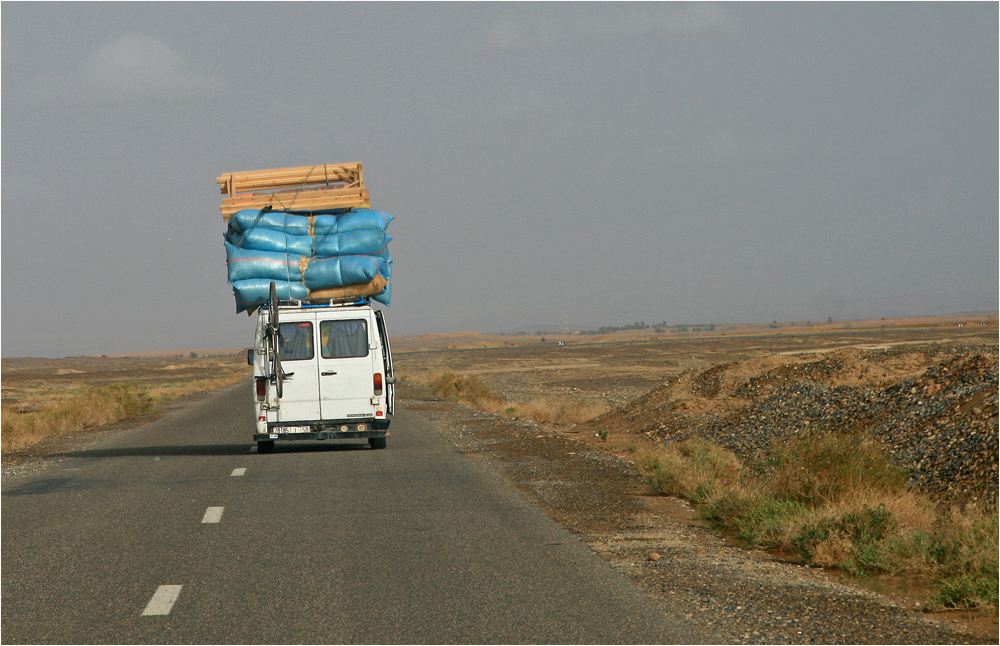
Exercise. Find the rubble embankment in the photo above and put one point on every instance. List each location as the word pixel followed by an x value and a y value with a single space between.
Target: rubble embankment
pixel 934 408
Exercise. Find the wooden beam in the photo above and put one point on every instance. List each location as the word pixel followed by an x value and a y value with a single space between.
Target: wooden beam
pixel 320 172
pixel 231 183
pixel 306 200
pixel 290 195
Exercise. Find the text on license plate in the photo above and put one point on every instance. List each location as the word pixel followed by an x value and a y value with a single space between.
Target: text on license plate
pixel 289 429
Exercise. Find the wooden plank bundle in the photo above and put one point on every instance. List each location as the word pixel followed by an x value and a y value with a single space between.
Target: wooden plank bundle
pixel 303 188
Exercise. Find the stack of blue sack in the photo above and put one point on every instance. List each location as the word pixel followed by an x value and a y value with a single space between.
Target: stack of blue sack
pixel 315 256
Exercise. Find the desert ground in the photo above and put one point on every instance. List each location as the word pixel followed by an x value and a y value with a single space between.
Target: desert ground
pixel 646 389
pixel 30 382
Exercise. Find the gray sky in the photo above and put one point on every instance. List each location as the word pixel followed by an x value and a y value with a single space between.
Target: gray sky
pixel 592 164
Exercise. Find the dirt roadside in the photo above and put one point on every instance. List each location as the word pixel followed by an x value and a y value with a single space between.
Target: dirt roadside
pixel 741 596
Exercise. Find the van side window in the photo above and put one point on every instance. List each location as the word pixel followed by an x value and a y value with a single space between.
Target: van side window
pixel 344 339
pixel 296 341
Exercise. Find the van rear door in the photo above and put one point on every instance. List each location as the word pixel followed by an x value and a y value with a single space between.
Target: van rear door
pixel 390 388
pixel 346 366
pixel 299 362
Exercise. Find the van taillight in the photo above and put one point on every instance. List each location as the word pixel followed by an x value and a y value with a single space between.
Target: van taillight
pixel 261 388
pixel 378 383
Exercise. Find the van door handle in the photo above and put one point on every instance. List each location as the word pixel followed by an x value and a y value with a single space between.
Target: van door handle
pixel 327 373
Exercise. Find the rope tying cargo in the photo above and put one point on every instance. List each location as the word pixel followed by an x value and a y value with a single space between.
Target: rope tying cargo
pixel 295 196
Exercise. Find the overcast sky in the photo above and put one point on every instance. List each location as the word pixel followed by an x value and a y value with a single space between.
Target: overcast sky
pixel 581 164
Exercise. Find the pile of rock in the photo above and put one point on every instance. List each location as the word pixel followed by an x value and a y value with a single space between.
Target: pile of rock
pixel 934 408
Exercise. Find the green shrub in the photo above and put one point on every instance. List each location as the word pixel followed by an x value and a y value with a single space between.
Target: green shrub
pixel 757 520
pixel 965 591
pixel 837 500
pixel 969 557
pixel 866 530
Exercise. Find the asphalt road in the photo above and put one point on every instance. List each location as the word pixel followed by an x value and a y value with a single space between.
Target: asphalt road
pixel 156 536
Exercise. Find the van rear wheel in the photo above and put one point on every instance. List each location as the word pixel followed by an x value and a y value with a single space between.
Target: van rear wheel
pixel 377 442
pixel 265 446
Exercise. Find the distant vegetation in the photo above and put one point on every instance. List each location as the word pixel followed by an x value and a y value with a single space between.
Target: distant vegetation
pixel 659 328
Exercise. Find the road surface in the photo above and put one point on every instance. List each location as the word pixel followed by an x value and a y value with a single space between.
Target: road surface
pixel 176 532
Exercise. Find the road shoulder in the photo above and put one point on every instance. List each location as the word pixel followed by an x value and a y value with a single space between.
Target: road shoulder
pixel 742 596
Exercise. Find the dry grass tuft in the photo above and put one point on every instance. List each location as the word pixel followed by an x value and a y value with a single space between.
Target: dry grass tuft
pixel 558 411
pixel 470 390
pixel 89 408
pixel 831 552
pixel 166 392
pixel 49 414
pixel 694 469
pixel 824 468
pixel 466 389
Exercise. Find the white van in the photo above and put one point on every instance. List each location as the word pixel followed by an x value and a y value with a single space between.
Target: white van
pixel 321 371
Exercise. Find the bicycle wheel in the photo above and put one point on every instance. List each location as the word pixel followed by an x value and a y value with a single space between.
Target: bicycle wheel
pixel 279 374
pixel 273 306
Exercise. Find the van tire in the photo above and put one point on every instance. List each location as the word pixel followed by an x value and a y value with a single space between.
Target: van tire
pixel 377 442
pixel 265 446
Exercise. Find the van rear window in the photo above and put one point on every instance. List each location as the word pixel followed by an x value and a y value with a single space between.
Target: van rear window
pixel 296 341
pixel 344 339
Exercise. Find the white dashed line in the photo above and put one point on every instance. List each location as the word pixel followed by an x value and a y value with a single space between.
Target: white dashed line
pixel 253 449
pixel 163 600
pixel 213 515
pixel 238 472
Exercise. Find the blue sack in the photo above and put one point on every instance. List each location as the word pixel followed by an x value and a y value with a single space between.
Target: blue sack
pixel 246 264
pixel 324 273
pixel 353 243
pixel 385 296
pixel 265 239
pixel 348 247
pixel 250 293
pixel 296 225
pixel 355 232
pixel 351 220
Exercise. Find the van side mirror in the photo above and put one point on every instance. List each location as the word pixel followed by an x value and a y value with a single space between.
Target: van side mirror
pixel 250 357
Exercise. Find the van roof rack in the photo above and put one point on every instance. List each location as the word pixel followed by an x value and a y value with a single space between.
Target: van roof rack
pixel 323 302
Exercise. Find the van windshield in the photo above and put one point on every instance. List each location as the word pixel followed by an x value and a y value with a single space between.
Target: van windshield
pixel 296 341
pixel 344 339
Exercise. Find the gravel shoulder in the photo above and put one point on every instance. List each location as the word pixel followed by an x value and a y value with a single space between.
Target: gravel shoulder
pixel 742 596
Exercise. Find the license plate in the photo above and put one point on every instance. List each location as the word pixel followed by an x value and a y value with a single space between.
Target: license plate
pixel 290 429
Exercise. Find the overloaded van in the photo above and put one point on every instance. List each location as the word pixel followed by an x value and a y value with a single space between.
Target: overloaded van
pixel 321 371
